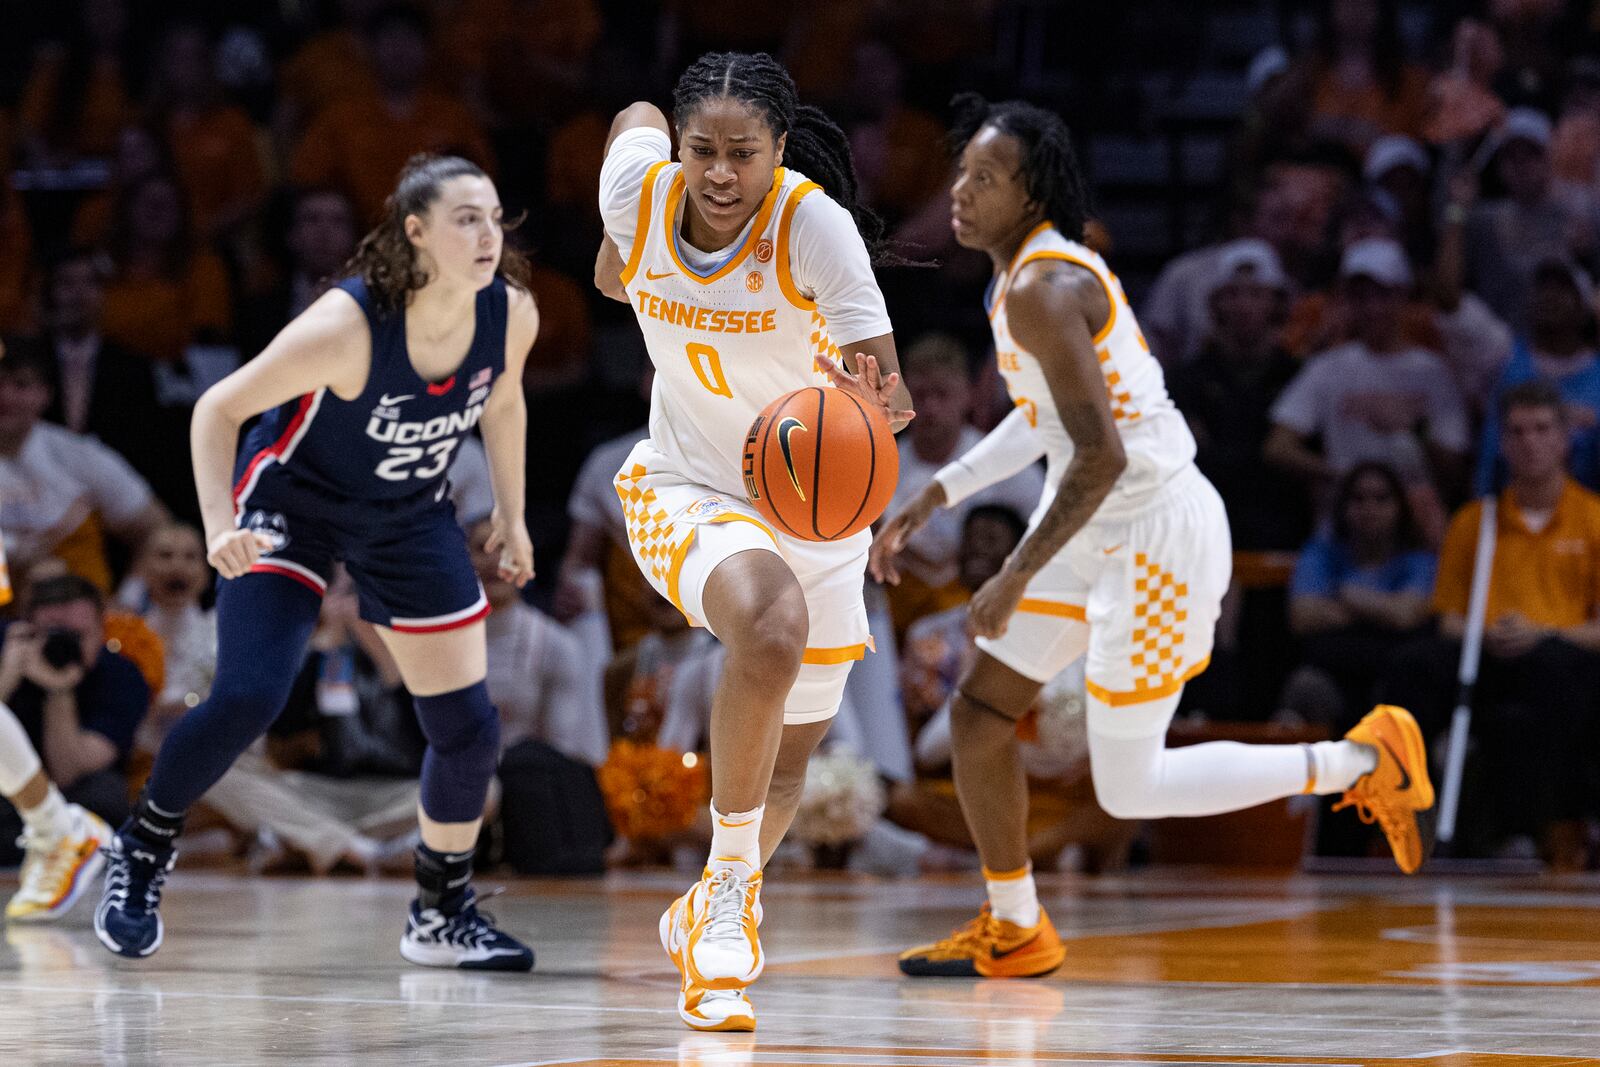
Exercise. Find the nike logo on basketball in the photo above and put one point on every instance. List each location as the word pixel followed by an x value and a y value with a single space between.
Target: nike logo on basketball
pixel 652 276
pixel 390 401
pixel 787 426
pixel 1405 775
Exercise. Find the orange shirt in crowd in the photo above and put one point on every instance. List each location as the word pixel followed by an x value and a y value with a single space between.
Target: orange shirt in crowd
pixel 1318 321
pixel 330 67
pixel 572 166
pixel 16 264
pixel 158 316
pixel 1406 112
pixel 562 350
pixel 360 146
pixel 218 164
pixel 103 111
pixel 1551 578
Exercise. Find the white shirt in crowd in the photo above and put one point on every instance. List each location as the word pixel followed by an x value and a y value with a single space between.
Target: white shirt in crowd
pixel 931 554
pixel 594 500
pixel 189 641
pixel 55 482
pixel 1333 394
pixel 544 685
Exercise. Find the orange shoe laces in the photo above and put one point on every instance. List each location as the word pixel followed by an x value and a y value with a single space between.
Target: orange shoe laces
pixel 979 932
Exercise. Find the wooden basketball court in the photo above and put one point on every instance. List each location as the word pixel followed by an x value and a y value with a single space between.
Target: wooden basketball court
pixel 1182 967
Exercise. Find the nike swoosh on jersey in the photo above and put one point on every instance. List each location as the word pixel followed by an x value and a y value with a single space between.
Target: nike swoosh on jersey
pixel 652 276
pixel 787 426
pixel 390 401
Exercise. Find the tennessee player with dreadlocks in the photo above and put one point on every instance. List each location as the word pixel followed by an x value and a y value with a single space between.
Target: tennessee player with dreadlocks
pixel 1126 559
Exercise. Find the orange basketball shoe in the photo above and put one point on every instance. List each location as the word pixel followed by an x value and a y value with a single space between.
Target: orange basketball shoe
pixel 989 948
pixel 1398 794
pixel 714 1010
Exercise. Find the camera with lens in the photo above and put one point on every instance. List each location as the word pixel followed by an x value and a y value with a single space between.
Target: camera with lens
pixel 62 648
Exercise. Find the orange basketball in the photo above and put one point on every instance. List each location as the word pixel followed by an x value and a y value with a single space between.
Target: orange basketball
pixel 819 464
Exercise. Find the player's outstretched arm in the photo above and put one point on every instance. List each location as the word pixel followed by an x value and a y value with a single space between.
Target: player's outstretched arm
pixel 326 346
pixel 1053 310
pixel 1004 450
pixel 505 437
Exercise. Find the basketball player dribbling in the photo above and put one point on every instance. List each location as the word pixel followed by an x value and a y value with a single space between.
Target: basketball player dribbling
pixel 748 273
pixel 367 394
pixel 1126 559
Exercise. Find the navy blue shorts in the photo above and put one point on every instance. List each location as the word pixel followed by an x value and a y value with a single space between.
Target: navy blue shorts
pixel 408 558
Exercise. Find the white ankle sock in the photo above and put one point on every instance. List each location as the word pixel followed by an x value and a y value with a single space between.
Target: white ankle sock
pixel 1012 895
pixel 52 817
pixel 736 839
pixel 1340 763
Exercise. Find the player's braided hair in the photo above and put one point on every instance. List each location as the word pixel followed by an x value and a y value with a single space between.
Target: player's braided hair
pixel 1049 164
pixel 387 260
pixel 816 147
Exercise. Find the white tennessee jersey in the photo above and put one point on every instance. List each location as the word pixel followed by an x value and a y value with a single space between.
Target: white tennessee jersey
pixel 1155 436
pixel 724 344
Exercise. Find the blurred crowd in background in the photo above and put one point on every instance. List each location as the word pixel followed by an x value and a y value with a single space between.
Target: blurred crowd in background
pixel 1360 235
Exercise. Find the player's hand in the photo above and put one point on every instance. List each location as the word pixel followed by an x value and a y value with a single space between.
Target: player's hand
pixel 869 383
pixel 509 537
pixel 993 605
pixel 891 538
pixel 235 552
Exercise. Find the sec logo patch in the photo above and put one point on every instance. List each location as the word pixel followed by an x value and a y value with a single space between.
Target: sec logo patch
pixel 754 281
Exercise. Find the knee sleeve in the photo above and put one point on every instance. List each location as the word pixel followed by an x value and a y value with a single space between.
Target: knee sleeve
pixel 816 693
pixel 18 761
pixel 463 732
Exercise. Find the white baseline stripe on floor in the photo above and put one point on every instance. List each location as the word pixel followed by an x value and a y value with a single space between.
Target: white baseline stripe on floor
pixel 807 1016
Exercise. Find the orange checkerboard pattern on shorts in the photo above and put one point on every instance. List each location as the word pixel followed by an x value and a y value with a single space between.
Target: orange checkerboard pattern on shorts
pixel 1157 636
pixel 654 537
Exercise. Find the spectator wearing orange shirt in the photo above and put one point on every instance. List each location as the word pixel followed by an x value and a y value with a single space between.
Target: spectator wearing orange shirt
pixel 165 294
pixel 16 261
pixel 330 66
pixel 1536 705
pixel 360 143
pixel 140 153
pixel 213 144
pixel 76 97
pixel 1364 87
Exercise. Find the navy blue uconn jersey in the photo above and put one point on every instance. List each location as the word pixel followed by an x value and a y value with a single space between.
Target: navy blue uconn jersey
pixel 398 438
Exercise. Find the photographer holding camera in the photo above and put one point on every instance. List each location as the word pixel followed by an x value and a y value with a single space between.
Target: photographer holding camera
pixel 79 702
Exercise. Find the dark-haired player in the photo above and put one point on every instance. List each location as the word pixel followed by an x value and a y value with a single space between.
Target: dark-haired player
pixel 368 393
pixel 1126 558
pixel 749 265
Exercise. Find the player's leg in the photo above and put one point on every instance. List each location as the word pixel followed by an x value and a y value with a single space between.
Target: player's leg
pixel 1151 615
pixel 789 781
pixel 421 592
pixel 61 841
pixel 832 577
pixel 264 621
pixel 1012 936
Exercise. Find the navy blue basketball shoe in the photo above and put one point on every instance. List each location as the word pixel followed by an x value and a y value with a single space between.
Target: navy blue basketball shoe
pixel 461 937
pixel 128 920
